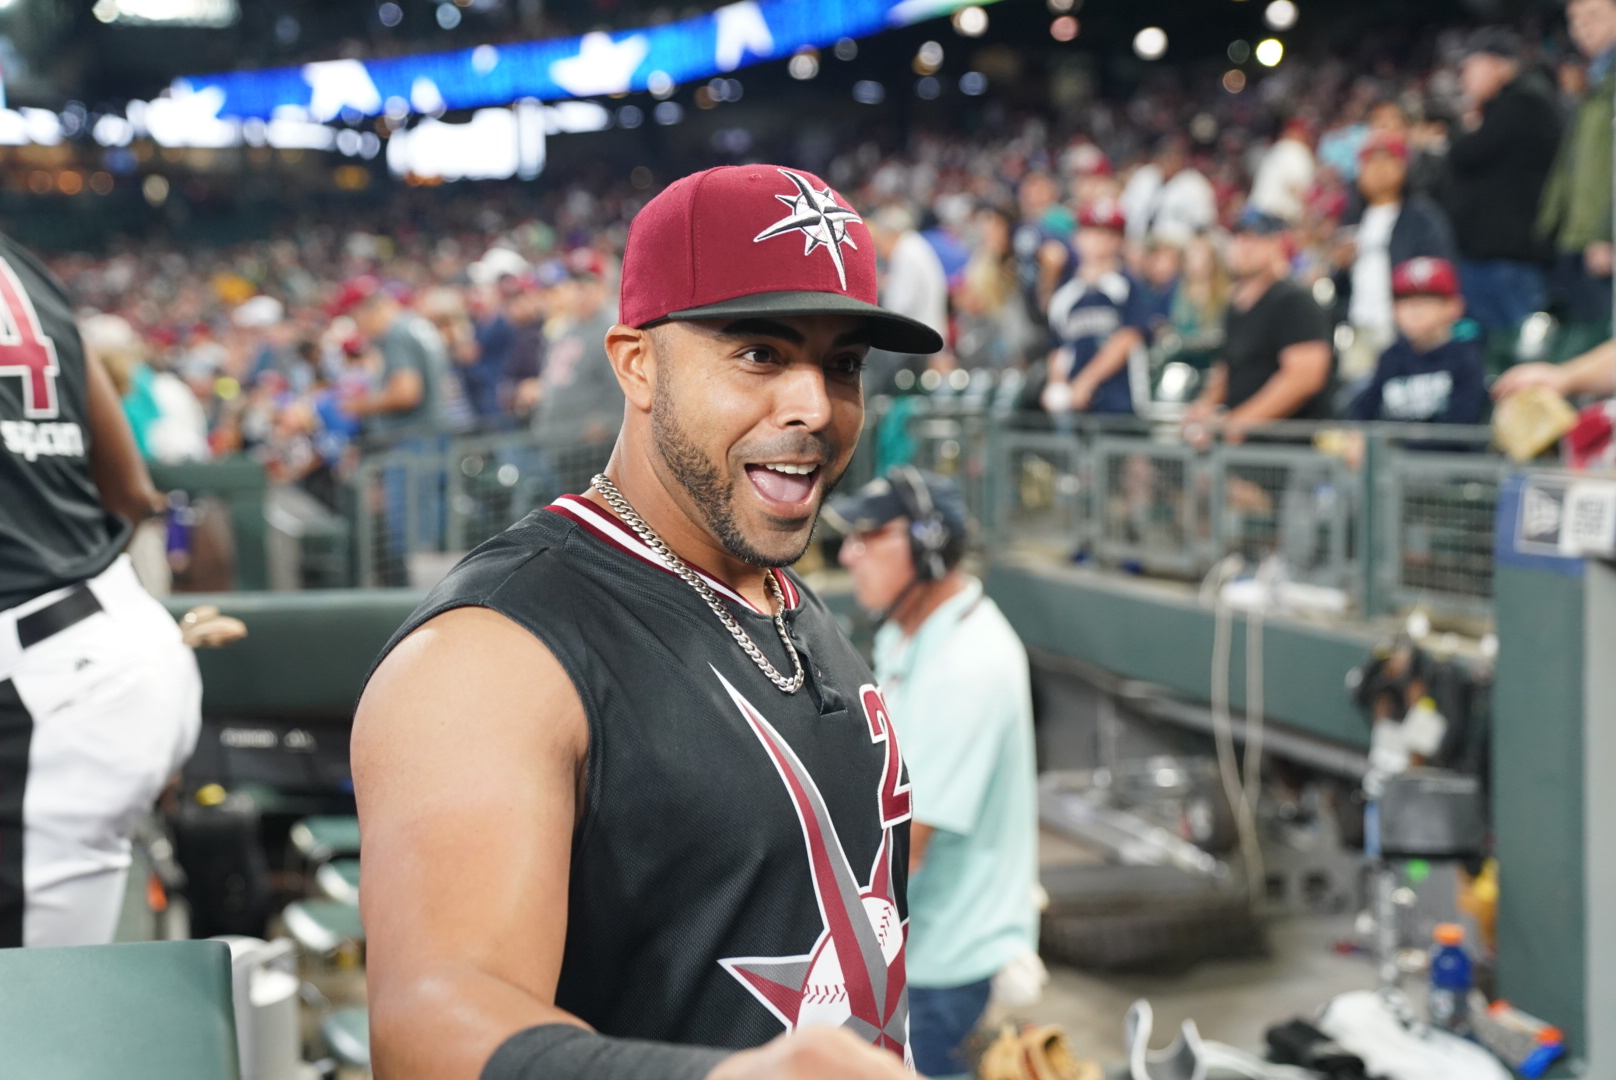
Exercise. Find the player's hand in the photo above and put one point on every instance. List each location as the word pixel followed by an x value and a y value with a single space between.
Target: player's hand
pixel 1525 376
pixel 813 1054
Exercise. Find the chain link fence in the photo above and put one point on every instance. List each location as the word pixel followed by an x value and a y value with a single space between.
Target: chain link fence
pixel 420 508
pixel 1396 523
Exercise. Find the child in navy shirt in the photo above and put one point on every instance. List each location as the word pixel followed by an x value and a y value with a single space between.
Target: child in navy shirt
pixel 1088 367
pixel 1426 376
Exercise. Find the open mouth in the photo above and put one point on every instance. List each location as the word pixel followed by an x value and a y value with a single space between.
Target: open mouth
pixel 787 485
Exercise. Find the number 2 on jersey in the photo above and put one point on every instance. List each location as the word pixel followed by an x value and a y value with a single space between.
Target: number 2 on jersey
pixel 895 802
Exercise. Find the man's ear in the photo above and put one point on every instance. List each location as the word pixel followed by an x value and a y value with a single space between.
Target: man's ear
pixel 634 361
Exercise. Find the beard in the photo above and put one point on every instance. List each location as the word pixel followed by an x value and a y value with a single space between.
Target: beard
pixel 713 492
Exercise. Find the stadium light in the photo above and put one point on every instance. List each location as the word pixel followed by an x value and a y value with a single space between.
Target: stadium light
pixel 1270 51
pixel 448 16
pixel 929 57
pixel 1239 51
pixel 1234 80
pixel 804 65
pixel 1150 43
pixel 1061 7
pixel 1063 28
pixel 971 21
pixel 212 13
pixel 1280 15
pixel 390 14
pixel 869 92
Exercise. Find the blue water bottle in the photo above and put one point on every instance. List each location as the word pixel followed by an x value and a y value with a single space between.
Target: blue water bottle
pixel 1449 1000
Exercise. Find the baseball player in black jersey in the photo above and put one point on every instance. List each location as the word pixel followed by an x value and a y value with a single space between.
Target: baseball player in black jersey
pixel 632 805
pixel 99 697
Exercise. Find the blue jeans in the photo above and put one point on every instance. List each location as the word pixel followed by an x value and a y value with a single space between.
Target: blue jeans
pixel 940 1020
pixel 1587 299
pixel 1500 293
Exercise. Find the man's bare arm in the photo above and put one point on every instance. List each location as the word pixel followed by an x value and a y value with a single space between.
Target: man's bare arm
pixel 1304 370
pixel 1110 359
pixel 466 754
pixel 115 464
pixel 466 748
pixel 403 390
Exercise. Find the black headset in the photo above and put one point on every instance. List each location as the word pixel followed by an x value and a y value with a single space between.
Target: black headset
pixel 929 532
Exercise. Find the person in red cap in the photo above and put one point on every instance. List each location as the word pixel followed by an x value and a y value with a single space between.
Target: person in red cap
pixel 632 804
pixel 1426 376
pixel 1392 228
pixel 1088 365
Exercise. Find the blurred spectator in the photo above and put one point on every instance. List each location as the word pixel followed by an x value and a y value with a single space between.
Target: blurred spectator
pixel 495 279
pixel 414 362
pixel 994 330
pixel 1169 195
pixel 579 399
pixel 1427 147
pixel 1155 288
pixel 1576 212
pixel 1286 173
pixel 1426 375
pixel 528 312
pixel 169 424
pixel 1391 230
pixel 1497 168
pixel 1276 359
pixel 445 308
pixel 1087 369
pixel 914 284
pixel 1044 255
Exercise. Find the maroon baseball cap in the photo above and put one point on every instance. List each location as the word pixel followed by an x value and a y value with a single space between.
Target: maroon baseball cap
pixel 1384 143
pixel 1425 277
pixel 1102 214
pixel 757 241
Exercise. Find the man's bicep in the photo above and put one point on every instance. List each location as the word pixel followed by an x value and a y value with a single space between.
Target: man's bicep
pixel 465 752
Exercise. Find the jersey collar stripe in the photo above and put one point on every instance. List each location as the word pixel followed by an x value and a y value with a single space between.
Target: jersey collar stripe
pixel 587 514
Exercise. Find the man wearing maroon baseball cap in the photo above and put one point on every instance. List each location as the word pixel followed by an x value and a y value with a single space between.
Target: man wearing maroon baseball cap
pixel 633 806
pixel 1427 375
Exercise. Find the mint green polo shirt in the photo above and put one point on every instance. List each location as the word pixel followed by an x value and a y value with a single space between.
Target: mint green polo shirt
pixel 960 696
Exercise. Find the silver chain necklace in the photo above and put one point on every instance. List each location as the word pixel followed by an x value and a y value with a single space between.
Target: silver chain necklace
pixel 623 510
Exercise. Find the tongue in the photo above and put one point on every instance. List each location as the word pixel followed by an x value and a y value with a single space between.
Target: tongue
pixel 779 486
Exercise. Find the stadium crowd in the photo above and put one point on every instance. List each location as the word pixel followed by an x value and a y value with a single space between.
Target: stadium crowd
pixel 1331 242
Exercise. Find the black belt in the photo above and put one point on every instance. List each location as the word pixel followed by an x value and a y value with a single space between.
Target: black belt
pixel 48 621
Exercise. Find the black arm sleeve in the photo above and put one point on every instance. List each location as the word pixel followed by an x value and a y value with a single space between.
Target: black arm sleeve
pixel 566 1052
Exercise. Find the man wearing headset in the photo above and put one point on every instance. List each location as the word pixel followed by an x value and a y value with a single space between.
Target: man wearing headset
pixel 954 675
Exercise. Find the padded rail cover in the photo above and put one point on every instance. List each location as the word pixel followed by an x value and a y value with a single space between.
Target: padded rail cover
pixel 149 1011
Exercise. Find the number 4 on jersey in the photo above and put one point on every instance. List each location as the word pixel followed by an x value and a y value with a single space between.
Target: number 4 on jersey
pixel 24 348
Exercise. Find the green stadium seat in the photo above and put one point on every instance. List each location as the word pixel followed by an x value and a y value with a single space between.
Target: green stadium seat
pixel 347 1035
pixel 146 1011
pixel 323 926
pixel 320 839
pixel 339 880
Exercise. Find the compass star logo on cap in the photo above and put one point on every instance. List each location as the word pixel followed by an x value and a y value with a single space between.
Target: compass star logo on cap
pixel 819 217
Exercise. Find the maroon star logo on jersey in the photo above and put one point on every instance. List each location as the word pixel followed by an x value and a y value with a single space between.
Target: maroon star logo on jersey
pixel 853 977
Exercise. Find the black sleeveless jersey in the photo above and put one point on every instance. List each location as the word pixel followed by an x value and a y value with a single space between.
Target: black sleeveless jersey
pixel 53 528
pixel 740 862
